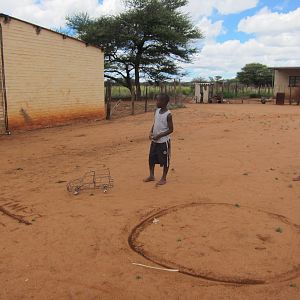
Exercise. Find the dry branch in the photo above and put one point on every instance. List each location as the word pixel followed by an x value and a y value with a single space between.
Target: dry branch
pixel 13 216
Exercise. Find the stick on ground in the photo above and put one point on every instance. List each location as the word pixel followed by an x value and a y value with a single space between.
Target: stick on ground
pixel 156 268
pixel 15 217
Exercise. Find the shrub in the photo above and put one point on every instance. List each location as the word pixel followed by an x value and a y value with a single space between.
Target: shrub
pixel 254 95
pixel 176 106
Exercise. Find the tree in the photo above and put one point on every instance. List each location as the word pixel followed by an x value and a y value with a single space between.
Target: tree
pixel 199 79
pixel 217 78
pixel 147 40
pixel 255 74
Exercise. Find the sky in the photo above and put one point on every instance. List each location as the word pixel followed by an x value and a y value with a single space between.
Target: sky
pixel 236 32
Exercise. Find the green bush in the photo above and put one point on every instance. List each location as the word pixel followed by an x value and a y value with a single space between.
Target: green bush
pixel 228 95
pixel 186 92
pixel 254 95
pixel 176 106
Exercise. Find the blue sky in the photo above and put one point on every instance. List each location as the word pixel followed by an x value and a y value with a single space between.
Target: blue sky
pixel 231 21
pixel 237 32
pixel 241 32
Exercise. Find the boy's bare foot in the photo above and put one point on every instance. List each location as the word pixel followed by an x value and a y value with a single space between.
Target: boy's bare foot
pixel 161 182
pixel 296 178
pixel 149 179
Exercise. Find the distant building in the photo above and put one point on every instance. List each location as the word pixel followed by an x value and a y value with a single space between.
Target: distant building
pixel 287 80
pixel 203 91
pixel 47 78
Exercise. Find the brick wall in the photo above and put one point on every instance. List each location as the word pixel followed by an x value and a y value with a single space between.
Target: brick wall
pixel 50 79
pixel 2 118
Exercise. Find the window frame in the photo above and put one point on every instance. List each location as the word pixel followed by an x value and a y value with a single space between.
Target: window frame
pixel 294 81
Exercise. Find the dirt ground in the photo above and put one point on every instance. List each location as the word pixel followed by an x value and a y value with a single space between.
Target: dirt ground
pixel 228 218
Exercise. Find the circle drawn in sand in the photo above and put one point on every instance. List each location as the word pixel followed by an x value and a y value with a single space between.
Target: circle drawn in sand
pixel 221 242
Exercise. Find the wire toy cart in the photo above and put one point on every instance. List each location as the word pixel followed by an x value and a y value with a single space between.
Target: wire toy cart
pixel 90 180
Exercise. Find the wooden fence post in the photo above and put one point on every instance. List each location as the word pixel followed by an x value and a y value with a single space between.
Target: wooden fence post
pixel 108 100
pixel 133 97
pixel 174 87
pixel 222 96
pixel 146 99
pixel 180 95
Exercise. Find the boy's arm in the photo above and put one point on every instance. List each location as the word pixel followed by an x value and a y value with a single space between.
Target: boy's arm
pixel 169 131
pixel 151 133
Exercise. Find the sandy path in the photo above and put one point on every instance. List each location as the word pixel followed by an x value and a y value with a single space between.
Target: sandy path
pixel 77 246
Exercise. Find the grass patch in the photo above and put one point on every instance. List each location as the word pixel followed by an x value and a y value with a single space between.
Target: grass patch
pixel 123 92
pixel 188 89
pixel 176 106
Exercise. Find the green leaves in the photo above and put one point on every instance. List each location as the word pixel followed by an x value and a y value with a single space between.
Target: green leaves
pixel 146 40
pixel 256 74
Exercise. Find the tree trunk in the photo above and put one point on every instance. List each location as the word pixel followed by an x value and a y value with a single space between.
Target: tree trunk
pixel 137 77
pixel 138 87
pixel 133 98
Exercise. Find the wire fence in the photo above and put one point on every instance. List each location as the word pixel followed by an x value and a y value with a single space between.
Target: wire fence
pixel 120 102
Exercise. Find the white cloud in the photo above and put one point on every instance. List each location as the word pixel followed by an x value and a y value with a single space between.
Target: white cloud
pixel 227 58
pixel 226 7
pixel 209 29
pixel 52 13
pixel 275 35
pixel 275 42
pixel 199 8
pixel 268 22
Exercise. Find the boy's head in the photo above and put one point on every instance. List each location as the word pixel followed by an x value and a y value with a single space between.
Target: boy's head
pixel 162 100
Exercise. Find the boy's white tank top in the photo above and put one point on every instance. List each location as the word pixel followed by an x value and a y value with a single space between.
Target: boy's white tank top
pixel 161 125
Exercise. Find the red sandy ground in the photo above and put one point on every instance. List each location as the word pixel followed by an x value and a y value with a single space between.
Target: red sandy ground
pixel 77 247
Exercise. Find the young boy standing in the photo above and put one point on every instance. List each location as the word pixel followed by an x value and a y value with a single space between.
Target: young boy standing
pixel 160 136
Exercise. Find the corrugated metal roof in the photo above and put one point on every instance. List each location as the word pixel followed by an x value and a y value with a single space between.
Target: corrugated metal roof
pixel 53 31
pixel 204 83
pixel 286 68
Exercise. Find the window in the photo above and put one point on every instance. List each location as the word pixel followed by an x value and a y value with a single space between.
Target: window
pixel 294 81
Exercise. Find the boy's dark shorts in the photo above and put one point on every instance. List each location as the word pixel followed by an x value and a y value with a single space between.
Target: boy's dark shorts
pixel 160 154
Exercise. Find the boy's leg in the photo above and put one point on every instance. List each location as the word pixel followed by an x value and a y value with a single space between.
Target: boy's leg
pixel 166 161
pixel 151 169
pixel 151 163
pixel 163 179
